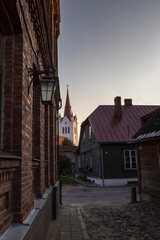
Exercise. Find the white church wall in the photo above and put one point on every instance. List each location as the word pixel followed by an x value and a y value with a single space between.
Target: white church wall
pixel 63 128
pixel 68 124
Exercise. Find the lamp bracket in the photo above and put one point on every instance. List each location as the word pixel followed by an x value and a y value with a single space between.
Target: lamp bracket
pixel 33 72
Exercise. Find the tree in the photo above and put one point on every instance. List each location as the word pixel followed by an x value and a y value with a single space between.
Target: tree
pixel 65 165
pixel 67 142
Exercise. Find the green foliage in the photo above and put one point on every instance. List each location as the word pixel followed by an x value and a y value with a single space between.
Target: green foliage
pixel 65 165
pixel 68 180
pixel 85 172
pixel 67 142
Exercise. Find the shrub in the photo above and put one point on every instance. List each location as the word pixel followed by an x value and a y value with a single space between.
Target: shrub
pixel 65 165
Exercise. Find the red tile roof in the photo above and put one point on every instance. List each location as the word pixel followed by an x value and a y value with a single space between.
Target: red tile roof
pixel 108 128
pixel 61 140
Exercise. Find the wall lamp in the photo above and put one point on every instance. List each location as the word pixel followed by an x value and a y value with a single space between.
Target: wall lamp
pixel 47 84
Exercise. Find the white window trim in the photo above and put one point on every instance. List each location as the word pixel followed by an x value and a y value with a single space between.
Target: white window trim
pixel 130 158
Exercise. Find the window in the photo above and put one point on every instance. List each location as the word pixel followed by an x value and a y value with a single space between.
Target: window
pixel 84 136
pixel 63 130
pixel 130 160
pixel 90 132
pixel 68 129
pixel 35 120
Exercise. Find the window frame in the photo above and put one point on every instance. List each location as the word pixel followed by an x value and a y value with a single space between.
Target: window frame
pixel 84 136
pixel 90 132
pixel 130 162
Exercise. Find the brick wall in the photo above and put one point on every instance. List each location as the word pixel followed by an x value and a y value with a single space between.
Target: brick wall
pixel 29 128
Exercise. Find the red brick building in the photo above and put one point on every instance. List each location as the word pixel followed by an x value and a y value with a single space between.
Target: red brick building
pixel 29 31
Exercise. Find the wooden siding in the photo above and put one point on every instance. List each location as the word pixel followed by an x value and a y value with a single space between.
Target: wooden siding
pixel 113 157
pixel 87 145
pixel 149 169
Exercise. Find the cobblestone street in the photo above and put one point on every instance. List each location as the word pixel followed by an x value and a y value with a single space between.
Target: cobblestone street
pixel 109 215
pixel 130 222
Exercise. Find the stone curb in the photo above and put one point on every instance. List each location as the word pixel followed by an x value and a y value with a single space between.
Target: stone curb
pixel 83 225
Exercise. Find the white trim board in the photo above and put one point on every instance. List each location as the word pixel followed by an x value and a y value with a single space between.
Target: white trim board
pixel 112 182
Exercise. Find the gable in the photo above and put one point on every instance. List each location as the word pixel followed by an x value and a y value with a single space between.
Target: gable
pixel 87 138
pixel 65 119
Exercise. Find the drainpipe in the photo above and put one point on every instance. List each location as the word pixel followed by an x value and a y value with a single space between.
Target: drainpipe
pixel 102 167
pixel 59 154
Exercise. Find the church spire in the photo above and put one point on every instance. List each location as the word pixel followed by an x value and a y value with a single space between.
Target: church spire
pixel 68 111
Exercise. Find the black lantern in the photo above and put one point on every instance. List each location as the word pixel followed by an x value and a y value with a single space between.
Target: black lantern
pixel 47 85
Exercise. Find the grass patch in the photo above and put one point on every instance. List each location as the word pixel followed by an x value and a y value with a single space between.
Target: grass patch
pixel 68 180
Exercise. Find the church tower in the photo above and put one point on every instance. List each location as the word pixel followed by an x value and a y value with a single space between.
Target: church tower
pixel 68 126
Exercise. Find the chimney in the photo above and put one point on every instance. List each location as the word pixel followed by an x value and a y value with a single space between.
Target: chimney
pixel 118 108
pixel 128 102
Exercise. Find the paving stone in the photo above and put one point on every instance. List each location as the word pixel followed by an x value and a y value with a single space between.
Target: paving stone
pixel 67 227
pixel 140 221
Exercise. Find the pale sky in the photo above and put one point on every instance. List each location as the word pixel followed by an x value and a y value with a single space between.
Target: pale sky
pixel 109 48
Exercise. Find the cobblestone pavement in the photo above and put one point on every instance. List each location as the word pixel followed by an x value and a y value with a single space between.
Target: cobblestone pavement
pixel 139 221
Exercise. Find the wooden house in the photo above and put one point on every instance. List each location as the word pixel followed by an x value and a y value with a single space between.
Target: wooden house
pixel 104 154
pixel 147 140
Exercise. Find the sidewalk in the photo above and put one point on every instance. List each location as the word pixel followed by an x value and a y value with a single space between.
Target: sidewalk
pixel 68 226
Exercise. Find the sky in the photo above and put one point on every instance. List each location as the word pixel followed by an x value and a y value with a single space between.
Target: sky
pixel 109 48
